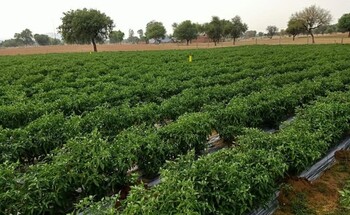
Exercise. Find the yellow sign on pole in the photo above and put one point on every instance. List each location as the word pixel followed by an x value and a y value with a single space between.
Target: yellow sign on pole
pixel 190 58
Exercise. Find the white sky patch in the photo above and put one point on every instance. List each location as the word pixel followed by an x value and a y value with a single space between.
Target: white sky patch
pixel 44 16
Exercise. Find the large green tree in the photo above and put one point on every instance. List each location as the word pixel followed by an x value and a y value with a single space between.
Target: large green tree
pixel 214 29
pixel 295 27
pixel 85 27
pixel 116 36
pixel 26 37
pixel 236 28
pixel 186 30
pixel 42 39
pixel 313 17
pixel 344 23
pixel 155 30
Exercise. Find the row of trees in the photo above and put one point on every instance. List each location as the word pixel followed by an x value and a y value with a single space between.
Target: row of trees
pixel 92 27
pixel 314 19
pixel 26 38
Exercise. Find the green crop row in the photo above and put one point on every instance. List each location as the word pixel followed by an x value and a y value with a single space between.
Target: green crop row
pixel 50 131
pixel 237 180
pixel 76 127
pixel 31 86
pixel 96 166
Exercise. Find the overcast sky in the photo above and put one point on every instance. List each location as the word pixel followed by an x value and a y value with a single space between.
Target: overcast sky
pixel 44 16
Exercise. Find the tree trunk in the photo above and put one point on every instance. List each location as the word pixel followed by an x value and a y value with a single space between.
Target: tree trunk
pixel 187 42
pixel 293 37
pixel 312 36
pixel 94 44
pixel 215 42
pixel 349 34
pixel 234 41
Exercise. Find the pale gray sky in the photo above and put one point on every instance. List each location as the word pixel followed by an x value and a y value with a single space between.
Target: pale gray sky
pixel 44 16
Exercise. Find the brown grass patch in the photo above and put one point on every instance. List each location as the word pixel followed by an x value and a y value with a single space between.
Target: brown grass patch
pixel 326 39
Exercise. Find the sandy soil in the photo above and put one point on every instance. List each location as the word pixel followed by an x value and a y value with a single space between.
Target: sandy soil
pixel 322 195
pixel 328 39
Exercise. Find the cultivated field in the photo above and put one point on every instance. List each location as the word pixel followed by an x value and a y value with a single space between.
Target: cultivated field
pixel 327 39
pixel 76 127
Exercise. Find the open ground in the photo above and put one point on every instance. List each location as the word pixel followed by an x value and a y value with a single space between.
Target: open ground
pixel 321 39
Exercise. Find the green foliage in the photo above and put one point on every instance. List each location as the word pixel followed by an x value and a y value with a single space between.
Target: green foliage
pixel 85 26
pixel 116 36
pixel 42 39
pixel 313 17
pixel 271 31
pixel 345 196
pixel 155 30
pixel 295 27
pixel 236 28
pixel 11 43
pixel 225 182
pixel 25 36
pixel 344 23
pixel 300 206
pixel 186 30
pixel 214 29
pixel 190 131
pixel 103 207
pixel 73 128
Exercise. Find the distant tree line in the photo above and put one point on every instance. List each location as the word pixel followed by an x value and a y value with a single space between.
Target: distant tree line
pixel 26 38
pixel 92 27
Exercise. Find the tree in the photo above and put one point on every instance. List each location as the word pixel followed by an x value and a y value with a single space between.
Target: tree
pixel 11 43
pixel 271 31
pixel 236 28
pixel 42 39
pixel 116 36
pixel 332 28
pixel 261 34
pixel 155 30
pixel 313 17
pixel 283 32
pixel 186 30
pixel 344 23
pixel 250 34
pixel 85 27
pixel 200 28
pixel 141 35
pixel 25 36
pixel 131 38
pixel 295 27
pixel 214 29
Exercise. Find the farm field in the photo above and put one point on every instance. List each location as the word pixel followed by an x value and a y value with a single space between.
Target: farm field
pixel 300 40
pixel 72 126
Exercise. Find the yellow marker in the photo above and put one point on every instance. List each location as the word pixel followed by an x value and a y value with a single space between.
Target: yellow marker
pixel 190 58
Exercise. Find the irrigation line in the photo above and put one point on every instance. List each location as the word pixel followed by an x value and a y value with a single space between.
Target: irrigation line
pixel 310 174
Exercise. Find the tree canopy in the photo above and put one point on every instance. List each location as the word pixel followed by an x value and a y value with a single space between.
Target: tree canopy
pixel 313 17
pixel 295 27
pixel 25 37
pixel 116 36
pixel 42 39
pixel 344 23
pixel 236 28
pixel 155 30
pixel 85 27
pixel 214 29
pixel 186 30
pixel 271 31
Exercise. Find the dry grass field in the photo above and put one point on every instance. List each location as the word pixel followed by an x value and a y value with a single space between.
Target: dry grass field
pixel 324 39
